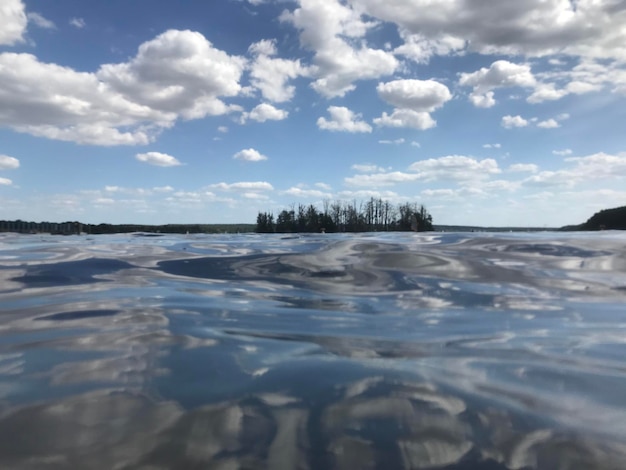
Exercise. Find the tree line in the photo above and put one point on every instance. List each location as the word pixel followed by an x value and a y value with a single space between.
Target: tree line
pixel 340 216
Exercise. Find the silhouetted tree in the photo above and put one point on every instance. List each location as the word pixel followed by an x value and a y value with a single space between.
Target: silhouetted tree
pixel 265 222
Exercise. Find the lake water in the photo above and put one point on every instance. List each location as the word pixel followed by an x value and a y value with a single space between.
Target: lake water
pixel 336 351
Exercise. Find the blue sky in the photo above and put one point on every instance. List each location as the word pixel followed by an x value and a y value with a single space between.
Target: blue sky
pixel 152 111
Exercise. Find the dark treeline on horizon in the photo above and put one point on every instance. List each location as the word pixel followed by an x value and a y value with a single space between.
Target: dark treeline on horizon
pixel 339 216
pixel 606 219
pixel 74 227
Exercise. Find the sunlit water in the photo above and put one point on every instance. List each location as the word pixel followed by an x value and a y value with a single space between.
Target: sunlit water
pixel 367 351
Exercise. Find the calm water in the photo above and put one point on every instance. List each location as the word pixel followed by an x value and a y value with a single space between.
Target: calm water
pixel 371 351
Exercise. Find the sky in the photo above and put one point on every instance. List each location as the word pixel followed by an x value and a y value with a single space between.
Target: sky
pixel 508 113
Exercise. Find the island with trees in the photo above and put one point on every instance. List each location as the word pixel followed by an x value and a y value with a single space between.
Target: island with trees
pixel 341 216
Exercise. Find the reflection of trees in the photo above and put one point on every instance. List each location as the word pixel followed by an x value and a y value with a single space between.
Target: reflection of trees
pixel 340 216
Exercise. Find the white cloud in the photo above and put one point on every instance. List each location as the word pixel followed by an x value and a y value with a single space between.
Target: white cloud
pixel 500 74
pixel 157 159
pixel 177 74
pixel 562 152
pixel 534 28
pixel 328 28
pixel 249 155
pixel 406 118
pixel 324 186
pixel 548 124
pixel 420 48
pixel 244 186
pixel 392 142
pixel 599 165
pixel 524 167
pixel 561 178
pixel 13 20
pixel 413 100
pixel 8 163
pixel 40 21
pixel 416 95
pixel 367 168
pixel 307 193
pixel 376 180
pixel 344 120
pixel 455 167
pixel 265 112
pixel 483 101
pixel 509 122
pixel 546 92
pixel 415 144
pixel 272 75
pixel 78 23
pixel 5 181
pixel 222 129
pixel 492 146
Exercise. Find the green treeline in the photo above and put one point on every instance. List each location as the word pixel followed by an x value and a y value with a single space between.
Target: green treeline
pixel 340 216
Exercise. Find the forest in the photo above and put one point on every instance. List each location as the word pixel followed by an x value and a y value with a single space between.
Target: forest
pixel 374 215
pixel 607 219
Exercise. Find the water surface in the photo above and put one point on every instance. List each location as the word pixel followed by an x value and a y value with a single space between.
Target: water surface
pixel 336 351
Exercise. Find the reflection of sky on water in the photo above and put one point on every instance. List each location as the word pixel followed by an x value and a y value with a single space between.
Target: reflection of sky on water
pixel 454 351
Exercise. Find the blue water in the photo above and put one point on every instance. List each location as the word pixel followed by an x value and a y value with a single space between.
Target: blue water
pixel 335 351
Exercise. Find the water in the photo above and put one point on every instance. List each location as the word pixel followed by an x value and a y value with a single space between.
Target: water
pixel 367 351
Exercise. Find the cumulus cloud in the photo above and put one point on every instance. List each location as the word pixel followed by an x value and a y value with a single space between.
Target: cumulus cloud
pixel 13 20
pixel 5 181
pixel 550 92
pixel 500 74
pixel 179 74
pixel 492 146
pixel 271 75
pixel 413 100
pixel 563 152
pixel 8 163
pixel 392 142
pixel 265 112
pixel 249 155
pixel 485 100
pixel 328 28
pixel 417 95
pixel 509 122
pixel 344 120
pixel 548 124
pixel 157 159
pixel 598 166
pixel 421 48
pixel 406 118
pixel 535 28
pixel 455 167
